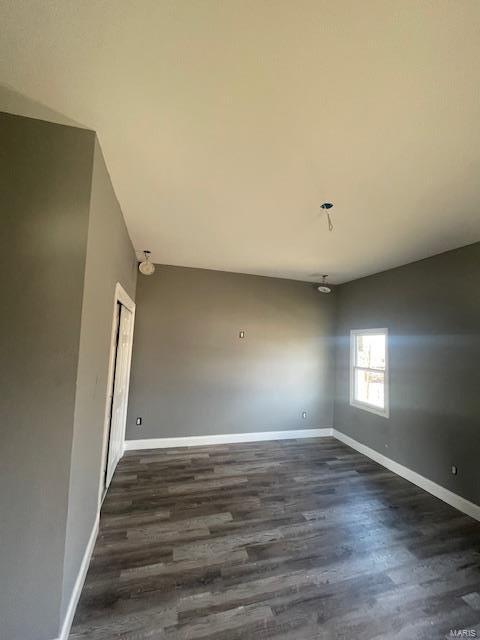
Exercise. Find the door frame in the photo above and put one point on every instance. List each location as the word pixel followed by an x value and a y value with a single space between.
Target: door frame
pixel 120 297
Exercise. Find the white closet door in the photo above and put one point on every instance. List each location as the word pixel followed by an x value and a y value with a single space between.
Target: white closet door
pixel 120 391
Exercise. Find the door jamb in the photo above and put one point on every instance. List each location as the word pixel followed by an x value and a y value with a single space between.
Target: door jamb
pixel 122 297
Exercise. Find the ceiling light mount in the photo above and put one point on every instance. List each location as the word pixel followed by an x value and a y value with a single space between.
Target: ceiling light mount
pixel 326 206
pixel 146 267
pixel 324 287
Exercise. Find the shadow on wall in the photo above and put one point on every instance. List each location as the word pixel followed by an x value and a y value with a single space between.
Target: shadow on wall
pixel 11 101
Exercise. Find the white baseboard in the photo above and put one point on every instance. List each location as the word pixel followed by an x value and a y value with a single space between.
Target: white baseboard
pixel 78 586
pixel 454 500
pixel 156 443
pixel 225 438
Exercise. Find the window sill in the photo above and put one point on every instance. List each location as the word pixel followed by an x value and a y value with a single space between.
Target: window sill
pixel 384 413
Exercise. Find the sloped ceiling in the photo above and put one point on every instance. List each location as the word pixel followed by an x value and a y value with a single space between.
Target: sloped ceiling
pixel 225 124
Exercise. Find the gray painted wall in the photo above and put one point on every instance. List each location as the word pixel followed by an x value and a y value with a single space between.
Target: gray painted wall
pixel 432 311
pixel 110 259
pixel 64 247
pixel 45 173
pixel 192 375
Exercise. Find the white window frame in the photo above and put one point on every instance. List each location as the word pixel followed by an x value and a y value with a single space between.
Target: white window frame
pixel 385 412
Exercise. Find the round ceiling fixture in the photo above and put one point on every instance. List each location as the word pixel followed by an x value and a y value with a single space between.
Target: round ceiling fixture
pixel 324 287
pixel 146 267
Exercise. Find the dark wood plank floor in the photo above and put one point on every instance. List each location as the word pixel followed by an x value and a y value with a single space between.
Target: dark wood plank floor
pixel 287 539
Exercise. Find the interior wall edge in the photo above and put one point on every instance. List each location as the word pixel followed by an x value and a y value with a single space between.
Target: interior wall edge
pixel 66 624
pixel 45 192
pixel 102 271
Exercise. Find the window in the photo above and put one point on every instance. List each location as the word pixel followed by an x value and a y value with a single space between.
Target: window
pixel 369 370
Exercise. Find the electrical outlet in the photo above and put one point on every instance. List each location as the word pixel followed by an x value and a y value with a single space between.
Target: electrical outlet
pixel 139 422
pixel 454 469
pixel 304 415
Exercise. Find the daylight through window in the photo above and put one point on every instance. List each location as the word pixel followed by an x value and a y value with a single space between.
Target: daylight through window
pixel 369 370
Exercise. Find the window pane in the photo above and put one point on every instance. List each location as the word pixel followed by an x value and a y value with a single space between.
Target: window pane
pixel 370 387
pixel 370 350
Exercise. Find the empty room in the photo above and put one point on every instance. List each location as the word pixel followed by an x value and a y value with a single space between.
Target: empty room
pixel 240 328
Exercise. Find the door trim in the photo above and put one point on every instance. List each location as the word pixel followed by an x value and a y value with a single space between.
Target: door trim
pixel 120 297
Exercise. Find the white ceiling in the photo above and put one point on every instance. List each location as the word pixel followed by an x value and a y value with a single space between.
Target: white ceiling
pixel 226 123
